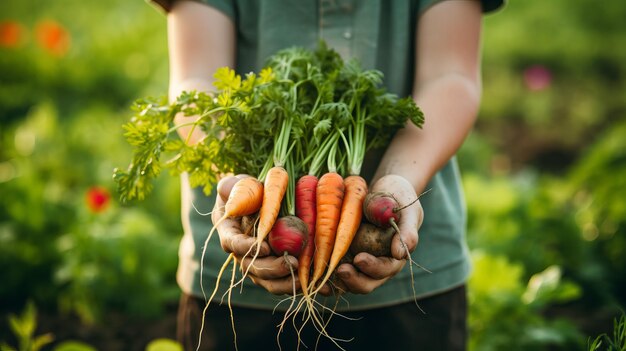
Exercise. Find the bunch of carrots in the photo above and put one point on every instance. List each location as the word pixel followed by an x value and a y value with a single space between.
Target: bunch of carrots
pixel 302 126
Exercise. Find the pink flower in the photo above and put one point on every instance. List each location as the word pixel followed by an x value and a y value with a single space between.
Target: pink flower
pixel 537 77
pixel 97 199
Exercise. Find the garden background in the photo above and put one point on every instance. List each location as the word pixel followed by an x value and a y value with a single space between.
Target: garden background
pixel 543 170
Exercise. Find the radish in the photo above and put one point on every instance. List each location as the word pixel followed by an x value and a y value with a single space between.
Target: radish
pixel 380 208
pixel 383 210
pixel 288 235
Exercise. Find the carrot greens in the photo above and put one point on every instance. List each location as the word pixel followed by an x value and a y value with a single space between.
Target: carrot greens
pixel 292 112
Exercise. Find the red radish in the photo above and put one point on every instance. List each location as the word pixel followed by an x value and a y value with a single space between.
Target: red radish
pixel 383 210
pixel 380 208
pixel 289 234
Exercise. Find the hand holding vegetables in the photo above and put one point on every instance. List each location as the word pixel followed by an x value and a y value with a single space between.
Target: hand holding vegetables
pixel 310 116
pixel 368 272
pixel 268 271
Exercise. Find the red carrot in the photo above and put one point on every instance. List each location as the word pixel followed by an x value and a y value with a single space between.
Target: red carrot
pixel 306 210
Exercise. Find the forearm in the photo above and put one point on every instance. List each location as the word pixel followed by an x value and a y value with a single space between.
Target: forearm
pixel 447 87
pixel 450 104
pixel 201 39
pixel 182 121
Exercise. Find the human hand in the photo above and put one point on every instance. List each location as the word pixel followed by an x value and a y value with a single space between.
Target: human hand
pixel 268 271
pixel 368 272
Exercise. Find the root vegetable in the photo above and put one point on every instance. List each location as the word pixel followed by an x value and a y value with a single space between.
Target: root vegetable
pixel 373 240
pixel 330 193
pixel 351 214
pixel 305 210
pixel 380 208
pixel 289 235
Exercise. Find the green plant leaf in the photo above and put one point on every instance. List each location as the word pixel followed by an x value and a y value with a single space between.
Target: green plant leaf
pixel 6 347
pixel 24 325
pixel 164 345
pixel 73 345
pixel 41 341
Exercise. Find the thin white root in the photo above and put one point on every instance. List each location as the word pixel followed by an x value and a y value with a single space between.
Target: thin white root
pixel 206 306
pixel 292 298
pixel 323 326
pixel 198 211
pixel 257 248
pixel 230 307
pixel 410 203
pixel 411 263
pixel 206 244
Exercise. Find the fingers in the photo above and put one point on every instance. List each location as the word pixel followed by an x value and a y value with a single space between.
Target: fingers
pixel 407 238
pixel 356 282
pixel 232 238
pixel 277 286
pixel 270 272
pixel 226 184
pixel 411 216
pixel 242 245
pixel 368 272
pixel 377 267
pixel 273 273
pixel 271 267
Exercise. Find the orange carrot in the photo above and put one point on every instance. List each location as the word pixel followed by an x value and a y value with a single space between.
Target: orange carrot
pixel 330 192
pixel 245 198
pixel 351 214
pixel 274 191
pixel 275 186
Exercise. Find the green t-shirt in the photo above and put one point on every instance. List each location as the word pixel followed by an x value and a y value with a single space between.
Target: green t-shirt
pixel 381 35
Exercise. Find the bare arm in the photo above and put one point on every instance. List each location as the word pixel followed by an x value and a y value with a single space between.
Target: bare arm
pixel 447 88
pixel 201 39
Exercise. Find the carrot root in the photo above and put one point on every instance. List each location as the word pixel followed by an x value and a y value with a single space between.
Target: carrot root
pixel 329 196
pixel 349 221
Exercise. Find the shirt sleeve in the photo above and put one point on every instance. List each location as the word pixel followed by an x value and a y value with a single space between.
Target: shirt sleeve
pixel 488 5
pixel 225 6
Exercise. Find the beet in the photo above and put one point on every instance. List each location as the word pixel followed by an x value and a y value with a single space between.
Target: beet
pixel 289 234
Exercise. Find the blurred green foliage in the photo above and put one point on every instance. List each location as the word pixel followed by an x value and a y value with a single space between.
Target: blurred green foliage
pixel 67 82
pixel 506 312
pixel 543 169
pixel 542 175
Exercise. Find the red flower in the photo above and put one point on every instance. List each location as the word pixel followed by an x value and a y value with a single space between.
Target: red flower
pixel 10 34
pixel 97 198
pixel 53 37
pixel 537 77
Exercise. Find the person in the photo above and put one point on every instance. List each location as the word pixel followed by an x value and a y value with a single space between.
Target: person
pixel 429 49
